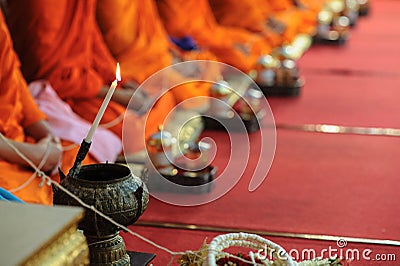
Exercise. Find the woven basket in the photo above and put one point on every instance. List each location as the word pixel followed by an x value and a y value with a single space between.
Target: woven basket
pixel 252 241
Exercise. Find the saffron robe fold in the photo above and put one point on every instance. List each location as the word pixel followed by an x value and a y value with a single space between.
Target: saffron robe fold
pixel 230 13
pixel 298 18
pixel 232 45
pixel 60 41
pixel 18 111
pixel 140 43
pixel 278 21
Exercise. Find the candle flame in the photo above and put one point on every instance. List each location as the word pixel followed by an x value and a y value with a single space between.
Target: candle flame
pixel 118 73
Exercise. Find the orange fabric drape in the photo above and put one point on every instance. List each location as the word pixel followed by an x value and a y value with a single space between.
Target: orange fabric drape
pixel 312 5
pixel 140 43
pixel 231 45
pixel 17 111
pixel 60 41
pixel 261 14
pixel 297 19
pixel 230 13
pixel 136 39
pixel 57 40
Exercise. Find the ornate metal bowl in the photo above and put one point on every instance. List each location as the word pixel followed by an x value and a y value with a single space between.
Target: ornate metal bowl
pixel 113 190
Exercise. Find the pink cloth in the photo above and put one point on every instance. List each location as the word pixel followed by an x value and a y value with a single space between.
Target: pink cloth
pixel 67 125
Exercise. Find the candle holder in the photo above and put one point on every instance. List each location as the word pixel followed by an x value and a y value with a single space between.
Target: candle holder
pixel 365 7
pixel 196 182
pixel 114 191
pixel 351 11
pixel 247 111
pixel 196 175
pixel 334 22
pixel 277 76
pixel 251 122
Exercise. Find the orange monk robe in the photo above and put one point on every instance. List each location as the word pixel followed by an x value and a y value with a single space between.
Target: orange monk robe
pixel 138 40
pixel 17 111
pixel 313 5
pixel 246 14
pixel 296 19
pixel 267 17
pixel 60 41
pixel 231 45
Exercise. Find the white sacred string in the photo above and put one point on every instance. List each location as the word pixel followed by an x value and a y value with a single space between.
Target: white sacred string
pixel 47 180
pixel 37 169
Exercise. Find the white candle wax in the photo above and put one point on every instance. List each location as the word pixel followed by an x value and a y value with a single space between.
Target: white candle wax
pixel 100 114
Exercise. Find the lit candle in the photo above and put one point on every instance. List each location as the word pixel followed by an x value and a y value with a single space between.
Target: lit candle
pixel 103 107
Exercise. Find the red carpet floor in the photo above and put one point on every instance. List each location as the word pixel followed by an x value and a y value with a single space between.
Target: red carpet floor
pixel 367 101
pixel 318 183
pixel 326 184
pixel 373 46
pixel 182 240
pixel 353 85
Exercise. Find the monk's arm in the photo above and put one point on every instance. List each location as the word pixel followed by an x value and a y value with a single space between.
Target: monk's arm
pixel 40 130
pixel 34 151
